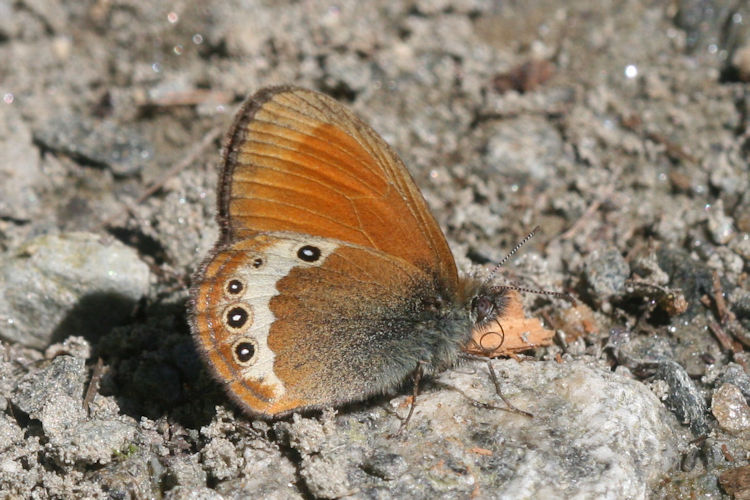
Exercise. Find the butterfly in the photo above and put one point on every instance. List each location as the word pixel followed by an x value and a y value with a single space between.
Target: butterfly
pixel 331 281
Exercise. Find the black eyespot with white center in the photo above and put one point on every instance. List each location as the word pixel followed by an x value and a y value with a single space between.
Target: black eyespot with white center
pixel 257 262
pixel 244 351
pixel 237 317
pixel 309 253
pixel 235 287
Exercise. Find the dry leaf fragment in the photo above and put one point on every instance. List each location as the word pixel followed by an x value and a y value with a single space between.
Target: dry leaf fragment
pixel 511 333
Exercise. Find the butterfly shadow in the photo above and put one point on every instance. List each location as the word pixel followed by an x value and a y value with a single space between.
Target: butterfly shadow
pixel 149 362
pixel 93 316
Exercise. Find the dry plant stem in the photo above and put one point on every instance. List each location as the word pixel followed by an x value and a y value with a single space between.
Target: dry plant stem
pixel 93 387
pixel 722 313
pixel 736 481
pixel 674 151
pixel 739 333
pixel 725 316
pixel 725 451
pixel 721 336
pixel 190 97
pixel 593 207
pixel 185 162
pixel 699 440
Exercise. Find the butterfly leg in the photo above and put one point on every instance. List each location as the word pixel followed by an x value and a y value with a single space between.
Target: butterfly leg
pixel 493 376
pixel 417 378
pixel 511 407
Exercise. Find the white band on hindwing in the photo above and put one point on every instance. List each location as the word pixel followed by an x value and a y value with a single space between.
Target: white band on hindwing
pixel 282 255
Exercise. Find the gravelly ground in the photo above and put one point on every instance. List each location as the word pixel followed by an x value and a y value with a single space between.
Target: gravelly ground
pixel 620 127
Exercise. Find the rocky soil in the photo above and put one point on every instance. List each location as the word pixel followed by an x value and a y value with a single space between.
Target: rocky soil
pixel 618 126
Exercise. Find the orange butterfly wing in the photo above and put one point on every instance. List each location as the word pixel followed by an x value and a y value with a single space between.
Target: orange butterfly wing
pixel 298 161
pixel 331 280
pixel 314 332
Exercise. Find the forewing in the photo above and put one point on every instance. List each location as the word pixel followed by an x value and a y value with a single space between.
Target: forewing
pixel 297 160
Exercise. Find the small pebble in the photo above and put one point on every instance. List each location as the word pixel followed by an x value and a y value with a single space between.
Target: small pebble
pixel 730 409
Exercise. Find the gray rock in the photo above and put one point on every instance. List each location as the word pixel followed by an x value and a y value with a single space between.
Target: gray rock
pixel 200 493
pixel 108 144
pixel 62 379
pixel 598 434
pixel 54 396
pixel 8 26
pixel 93 442
pixel 52 12
pixel 80 284
pixel 736 376
pixel 690 275
pixel 683 397
pixel 305 435
pixel 19 168
pixel 266 473
pixel 189 201
pixel 185 472
pixel 605 272
pixel 388 466
pixel 326 476
pixel 134 475
pixel 252 466
pixel 720 226
pixel 220 460
pixel 524 148
pixel 713 23
pixel 10 434
pixel 741 62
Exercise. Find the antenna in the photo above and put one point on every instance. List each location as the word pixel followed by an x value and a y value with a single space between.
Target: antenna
pixel 561 295
pixel 510 254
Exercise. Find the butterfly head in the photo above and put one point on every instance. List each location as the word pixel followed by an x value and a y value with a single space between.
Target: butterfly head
pixel 487 304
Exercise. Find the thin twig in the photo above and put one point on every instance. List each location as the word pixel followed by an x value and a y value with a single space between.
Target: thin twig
pixel 93 387
pixel 155 186
pixel 722 313
pixel 726 343
pixel 593 207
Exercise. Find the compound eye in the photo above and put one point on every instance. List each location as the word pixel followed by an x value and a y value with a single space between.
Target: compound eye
pixel 483 307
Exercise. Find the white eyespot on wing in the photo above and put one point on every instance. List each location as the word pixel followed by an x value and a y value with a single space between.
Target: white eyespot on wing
pixel 254 286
